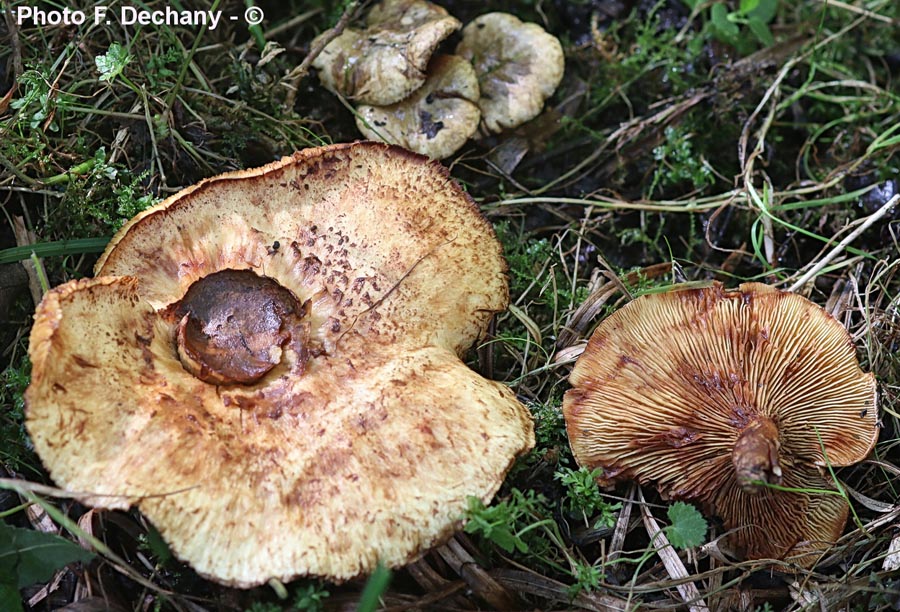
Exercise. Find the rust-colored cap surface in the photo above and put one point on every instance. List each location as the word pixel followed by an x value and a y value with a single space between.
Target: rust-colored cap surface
pixel 267 365
pixel 711 395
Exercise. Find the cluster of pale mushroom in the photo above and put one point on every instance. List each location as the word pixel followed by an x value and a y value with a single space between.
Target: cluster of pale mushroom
pixel 268 365
pixel 502 72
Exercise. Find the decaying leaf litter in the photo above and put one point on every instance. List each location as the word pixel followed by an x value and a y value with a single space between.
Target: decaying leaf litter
pixel 678 148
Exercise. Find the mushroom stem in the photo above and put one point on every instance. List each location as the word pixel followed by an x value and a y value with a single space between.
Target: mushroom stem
pixel 755 455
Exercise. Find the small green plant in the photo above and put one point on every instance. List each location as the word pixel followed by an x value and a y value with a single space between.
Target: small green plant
pixel 584 495
pixel 113 62
pixel 884 589
pixel 526 258
pixel 743 28
pixel 28 557
pixel 40 104
pixel 533 268
pixel 587 578
pixel 101 197
pixel 161 67
pixel 153 542
pixel 13 446
pixel 549 424
pixel 311 597
pixel 687 528
pixel 647 57
pixel 256 84
pixel 507 522
pixel 678 163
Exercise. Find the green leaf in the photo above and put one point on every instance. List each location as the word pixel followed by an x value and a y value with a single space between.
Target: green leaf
pixel 761 31
pixel 587 578
pixel 158 546
pixel 376 585
pixel 60 248
pixel 504 539
pixel 32 556
pixel 311 597
pixel 111 63
pixel 765 11
pixel 688 526
pixel 9 597
pixel 724 28
pixel 506 521
pixel 747 6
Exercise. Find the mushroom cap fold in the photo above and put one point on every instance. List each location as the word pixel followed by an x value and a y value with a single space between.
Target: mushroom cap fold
pixel 385 62
pixel 362 446
pixel 519 66
pixel 435 120
pixel 670 382
pixel 383 241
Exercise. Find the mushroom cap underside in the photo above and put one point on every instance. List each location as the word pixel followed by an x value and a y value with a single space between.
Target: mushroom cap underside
pixel 668 384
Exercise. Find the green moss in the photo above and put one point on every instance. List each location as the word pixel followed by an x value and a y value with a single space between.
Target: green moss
pixel 15 448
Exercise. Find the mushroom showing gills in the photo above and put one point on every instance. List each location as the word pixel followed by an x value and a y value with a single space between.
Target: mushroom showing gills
pixel 713 395
pixel 267 365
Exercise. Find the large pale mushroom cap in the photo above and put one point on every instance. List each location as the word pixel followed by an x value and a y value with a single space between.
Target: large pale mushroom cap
pixel 437 119
pixel 267 365
pixel 519 66
pixel 712 395
pixel 387 61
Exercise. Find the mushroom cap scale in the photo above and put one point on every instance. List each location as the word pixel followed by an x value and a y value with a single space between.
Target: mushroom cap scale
pixel 362 444
pixel 670 383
